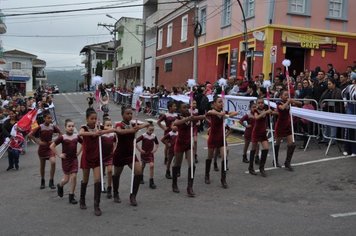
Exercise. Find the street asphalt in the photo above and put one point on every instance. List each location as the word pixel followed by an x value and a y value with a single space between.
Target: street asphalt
pixel 285 203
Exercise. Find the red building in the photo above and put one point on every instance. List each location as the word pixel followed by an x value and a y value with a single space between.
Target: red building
pixel 175 42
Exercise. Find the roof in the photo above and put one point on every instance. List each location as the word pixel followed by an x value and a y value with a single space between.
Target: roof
pixel 92 46
pixel 38 63
pixel 16 52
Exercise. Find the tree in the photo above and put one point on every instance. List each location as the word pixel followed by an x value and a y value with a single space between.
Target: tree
pixel 99 69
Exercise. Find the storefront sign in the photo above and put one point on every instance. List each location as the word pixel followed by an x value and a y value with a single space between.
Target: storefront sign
pixel 233 64
pixel 308 40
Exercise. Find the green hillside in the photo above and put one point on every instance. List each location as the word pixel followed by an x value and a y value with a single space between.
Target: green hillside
pixel 66 80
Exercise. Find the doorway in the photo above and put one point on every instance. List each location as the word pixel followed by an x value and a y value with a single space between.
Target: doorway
pixel 223 66
pixel 297 58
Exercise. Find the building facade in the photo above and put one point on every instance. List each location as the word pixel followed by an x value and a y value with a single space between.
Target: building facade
pixel 98 53
pixel 175 44
pixel 309 33
pixel 153 11
pixel 129 51
pixel 22 69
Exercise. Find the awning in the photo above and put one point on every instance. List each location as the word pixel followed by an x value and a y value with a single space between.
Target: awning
pixel 19 78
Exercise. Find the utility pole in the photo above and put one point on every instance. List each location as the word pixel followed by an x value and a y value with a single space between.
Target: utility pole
pixel 113 32
pixel 143 53
pixel 195 58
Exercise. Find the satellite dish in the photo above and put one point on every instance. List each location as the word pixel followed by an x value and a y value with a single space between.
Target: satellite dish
pixel 260 36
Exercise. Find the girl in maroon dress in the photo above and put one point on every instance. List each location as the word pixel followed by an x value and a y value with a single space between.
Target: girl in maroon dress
pixel 168 119
pixel 108 142
pixel 217 118
pixel 91 158
pixel 284 128
pixel 248 121
pixel 183 146
pixel 259 135
pixel 45 132
pixel 170 140
pixel 123 155
pixel 69 157
pixel 147 150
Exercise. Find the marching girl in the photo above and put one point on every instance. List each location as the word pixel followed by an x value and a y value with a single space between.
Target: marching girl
pixel 91 158
pixel 108 142
pixel 248 121
pixel 45 133
pixel 123 154
pixel 259 135
pixel 217 118
pixel 148 149
pixel 284 128
pixel 170 140
pixel 168 119
pixel 69 157
pixel 183 146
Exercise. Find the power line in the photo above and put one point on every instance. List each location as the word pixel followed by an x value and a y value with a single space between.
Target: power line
pixel 53 36
pixel 58 5
pixel 81 9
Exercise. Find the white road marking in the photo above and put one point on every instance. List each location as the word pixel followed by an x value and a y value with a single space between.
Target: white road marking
pixel 343 214
pixel 76 107
pixel 230 145
pixel 308 162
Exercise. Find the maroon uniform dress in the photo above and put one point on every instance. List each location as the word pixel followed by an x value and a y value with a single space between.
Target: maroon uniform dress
pixel 250 121
pixel 148 142
pixel 216 133
pixel 171 138
pixel 183 140
pixel 107 142
pixel 45 133
pixel 168 118
pixel 283 125
pixel 259 132
pixel 90 155
pixel 69 148
pixel 124 151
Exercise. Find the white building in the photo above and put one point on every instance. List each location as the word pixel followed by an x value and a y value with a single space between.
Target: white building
pixel 129 51
pixel 21 66
pixel 98 53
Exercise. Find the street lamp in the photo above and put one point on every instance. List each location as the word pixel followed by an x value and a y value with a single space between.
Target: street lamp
pixel 245 32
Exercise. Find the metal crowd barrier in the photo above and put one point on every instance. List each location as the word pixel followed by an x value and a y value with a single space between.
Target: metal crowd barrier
pixel 333 135
pixel 123 98
pixel 304 128
pixel 150 104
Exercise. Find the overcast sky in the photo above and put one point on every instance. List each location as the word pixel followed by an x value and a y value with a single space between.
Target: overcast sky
pixel 60 52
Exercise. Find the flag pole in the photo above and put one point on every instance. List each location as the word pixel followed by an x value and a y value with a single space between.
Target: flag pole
pixel 271 129
pixel 222 83
pixel 97 96
pixel 133 161
pixel 191 84
pixel 287 63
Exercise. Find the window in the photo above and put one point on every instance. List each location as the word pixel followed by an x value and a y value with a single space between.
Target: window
pixel 226 14
pixel 297 6
pixel 16 65
pixel 184 30
pixel 101 56
pixel 250 8
pixel 203 20
pixel 169 34
pixel 160 38
pixel 168 65
pixel 335 8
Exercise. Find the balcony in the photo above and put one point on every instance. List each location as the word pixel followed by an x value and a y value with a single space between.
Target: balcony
pixel 41 77
pixel 38 63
